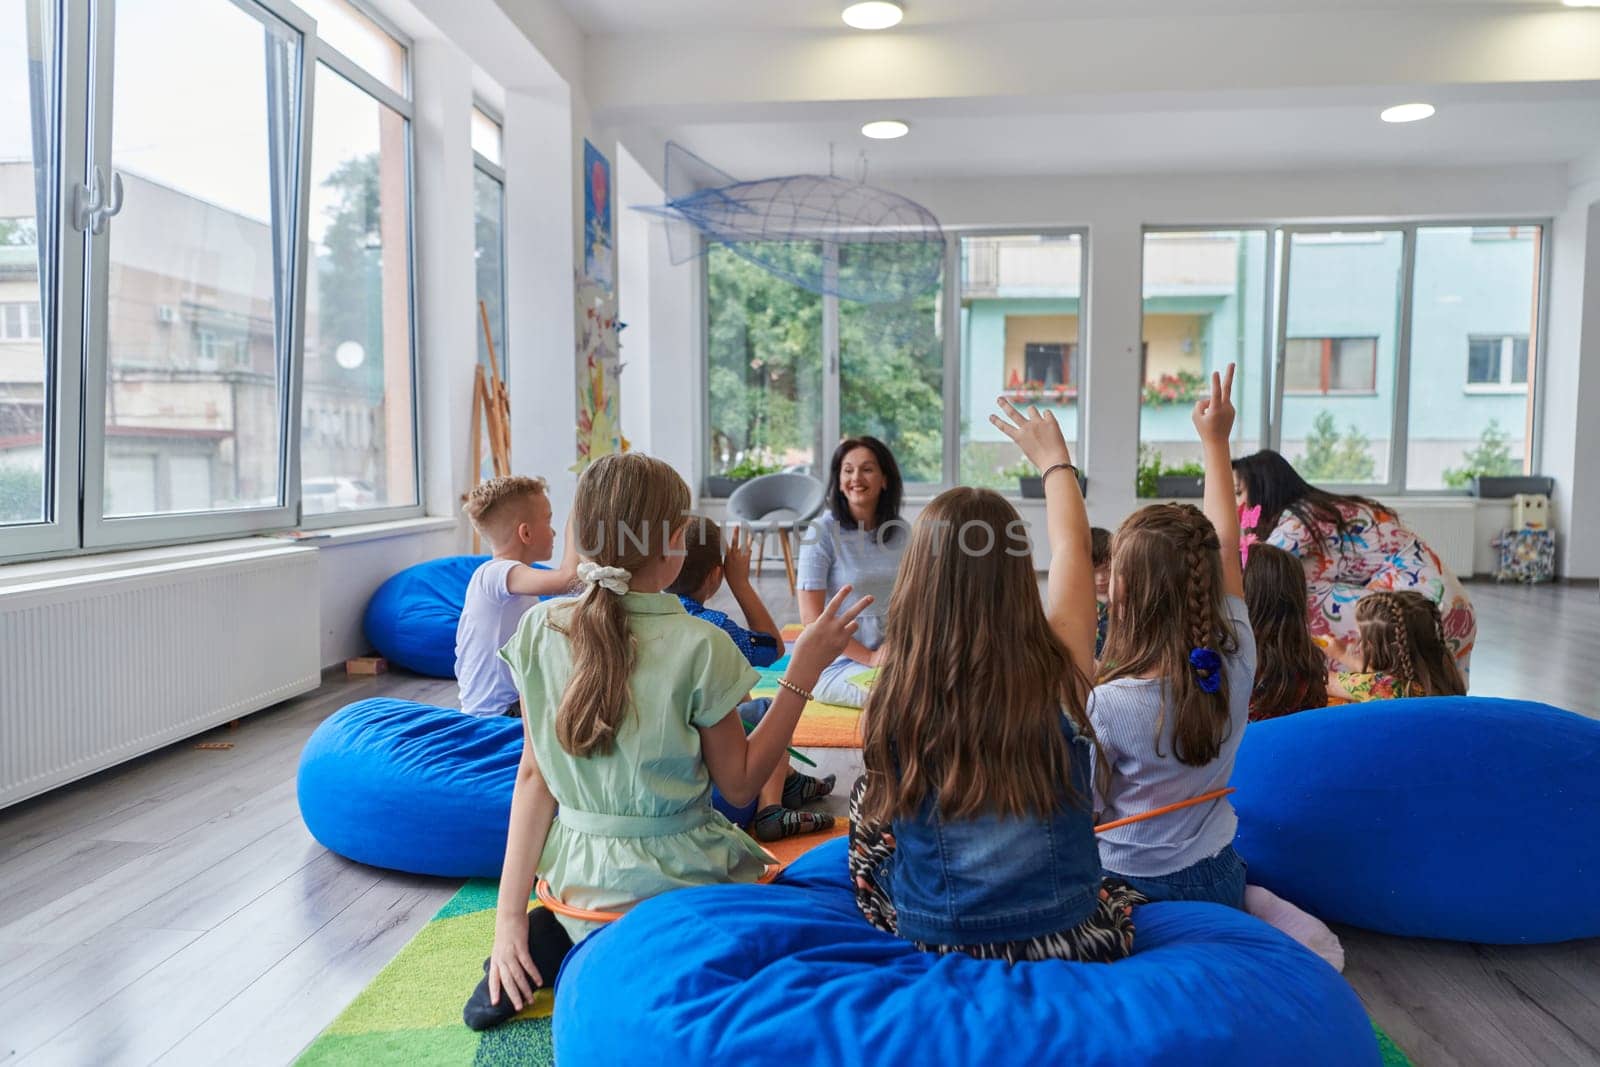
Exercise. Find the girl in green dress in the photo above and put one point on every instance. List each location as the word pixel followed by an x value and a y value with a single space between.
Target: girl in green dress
pixel 628 707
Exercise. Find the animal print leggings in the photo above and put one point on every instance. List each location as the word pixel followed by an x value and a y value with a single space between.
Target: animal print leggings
pixel 1105 936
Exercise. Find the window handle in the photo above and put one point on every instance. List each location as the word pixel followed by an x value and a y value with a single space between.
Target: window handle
pixel 112 204
pixel 87 202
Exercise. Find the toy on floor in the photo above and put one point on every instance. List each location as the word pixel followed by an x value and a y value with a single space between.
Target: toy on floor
pixel 1205 985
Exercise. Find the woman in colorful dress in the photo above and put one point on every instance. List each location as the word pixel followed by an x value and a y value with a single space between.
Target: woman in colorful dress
pixel 1349 546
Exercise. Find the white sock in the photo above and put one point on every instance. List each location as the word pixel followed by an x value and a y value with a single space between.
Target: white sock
pixel 1301 925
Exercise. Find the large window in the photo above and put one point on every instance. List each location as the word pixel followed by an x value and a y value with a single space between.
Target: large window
pixel 358 420
pixel 1474 324
pixel 489 238
pixel 194 343
pixel 1449 312
pixel 772 405
pixel 764 369
pixel 1206 304
pixel 154 225
pixel 1020 324
pixel 26 199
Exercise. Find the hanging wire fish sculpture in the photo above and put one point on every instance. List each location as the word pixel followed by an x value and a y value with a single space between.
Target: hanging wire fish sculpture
pixel 823 233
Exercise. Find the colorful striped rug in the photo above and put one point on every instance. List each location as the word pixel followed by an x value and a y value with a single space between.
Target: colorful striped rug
pixel 821 725
pixel 411 1013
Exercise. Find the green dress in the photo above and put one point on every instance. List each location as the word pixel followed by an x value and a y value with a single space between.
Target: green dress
pixel 637 821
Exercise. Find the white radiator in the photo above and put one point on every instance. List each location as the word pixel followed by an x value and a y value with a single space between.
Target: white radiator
pixel 1448 526
pixel 98 668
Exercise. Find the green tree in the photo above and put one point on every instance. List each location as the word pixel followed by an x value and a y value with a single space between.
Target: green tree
pixel 765 367
pixel 1331 458
pixel 1490 457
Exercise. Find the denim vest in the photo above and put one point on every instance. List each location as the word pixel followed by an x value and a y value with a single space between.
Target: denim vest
pixel 991 879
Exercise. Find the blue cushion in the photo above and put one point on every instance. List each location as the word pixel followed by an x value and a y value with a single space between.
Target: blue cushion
pixel 791 973
pixel 411 619
pixel 417 788
pixel 1450 817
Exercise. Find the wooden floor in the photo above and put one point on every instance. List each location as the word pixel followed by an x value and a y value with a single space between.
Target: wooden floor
pixel 175 911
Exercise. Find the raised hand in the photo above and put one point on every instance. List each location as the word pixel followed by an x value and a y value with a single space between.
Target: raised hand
pixel 736 557
pixel 825 639
pixel 1039 436
pixel 1214 414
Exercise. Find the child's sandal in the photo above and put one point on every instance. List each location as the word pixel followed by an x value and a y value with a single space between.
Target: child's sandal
pixel 801 789
pixel 774 823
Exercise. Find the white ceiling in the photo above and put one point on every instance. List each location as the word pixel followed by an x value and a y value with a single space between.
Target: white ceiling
pixel 1305 134
pixel 640 16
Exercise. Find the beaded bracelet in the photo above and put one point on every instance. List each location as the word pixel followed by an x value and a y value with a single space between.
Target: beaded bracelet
pixel 803 694
pixel 1048 471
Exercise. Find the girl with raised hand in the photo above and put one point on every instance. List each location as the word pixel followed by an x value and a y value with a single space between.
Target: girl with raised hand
pixel 1402 652
pixel 971 830
pixel 628 709
pixel 1176 677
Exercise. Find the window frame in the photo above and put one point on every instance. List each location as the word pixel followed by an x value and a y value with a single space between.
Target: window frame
pixel 953 396
pixel 1325 377
pixel 1270 312
pixel 496 173
pixel 60 305
pixel 99 530
pixel 1507 385
pixel 347 68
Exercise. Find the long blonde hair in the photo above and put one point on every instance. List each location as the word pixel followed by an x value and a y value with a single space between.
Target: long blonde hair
pixel 1166 602
pixel 968 700
pixel 1403 635
pixel 628 508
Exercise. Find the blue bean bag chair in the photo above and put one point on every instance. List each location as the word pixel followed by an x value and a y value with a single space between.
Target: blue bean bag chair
pixel 416 788
pixel 792 974
pixel 411 619
pixel 1461 818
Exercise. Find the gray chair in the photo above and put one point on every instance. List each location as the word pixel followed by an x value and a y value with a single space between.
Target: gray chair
pixel 776 503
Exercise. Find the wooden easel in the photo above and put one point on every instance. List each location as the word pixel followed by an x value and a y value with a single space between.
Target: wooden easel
pixel 491 414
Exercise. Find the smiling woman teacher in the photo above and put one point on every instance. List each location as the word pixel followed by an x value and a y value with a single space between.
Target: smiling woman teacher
pixel 857 541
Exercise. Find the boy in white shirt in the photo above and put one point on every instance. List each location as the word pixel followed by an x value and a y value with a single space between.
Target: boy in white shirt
pixel 513 514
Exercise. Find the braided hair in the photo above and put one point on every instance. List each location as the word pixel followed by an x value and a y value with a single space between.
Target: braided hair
pixel 1166 556
pixel 1402 634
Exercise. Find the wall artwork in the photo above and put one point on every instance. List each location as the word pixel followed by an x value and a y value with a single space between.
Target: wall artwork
pixel 598 250
pixel 599 423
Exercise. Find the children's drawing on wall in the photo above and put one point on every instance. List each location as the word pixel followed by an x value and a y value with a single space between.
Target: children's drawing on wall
pixel 599 425
pixel 597 245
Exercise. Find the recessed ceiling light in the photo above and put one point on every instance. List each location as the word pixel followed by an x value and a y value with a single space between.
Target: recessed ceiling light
pixel 873 15
pixel 1406 112
pixel 885 129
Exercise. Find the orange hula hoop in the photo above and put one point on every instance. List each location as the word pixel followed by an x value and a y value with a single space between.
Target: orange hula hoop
pixel 555 904
pixel 541 889
pixel 1216 794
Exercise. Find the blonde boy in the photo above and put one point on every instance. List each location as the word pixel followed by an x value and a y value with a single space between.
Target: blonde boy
pixel 512 514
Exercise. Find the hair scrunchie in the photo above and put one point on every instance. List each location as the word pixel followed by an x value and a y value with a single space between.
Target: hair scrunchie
pixel 1207 669
pixel 613 579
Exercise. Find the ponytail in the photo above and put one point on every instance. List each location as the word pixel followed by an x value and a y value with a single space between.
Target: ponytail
pixel 633 505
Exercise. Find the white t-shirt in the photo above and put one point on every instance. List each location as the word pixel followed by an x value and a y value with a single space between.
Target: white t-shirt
pixel 1145 774
pixel 488 619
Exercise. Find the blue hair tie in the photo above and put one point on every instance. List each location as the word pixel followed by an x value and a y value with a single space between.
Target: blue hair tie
pixel 1207 669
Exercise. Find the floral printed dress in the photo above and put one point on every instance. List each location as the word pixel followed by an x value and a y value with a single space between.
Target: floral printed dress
pixel 1378 553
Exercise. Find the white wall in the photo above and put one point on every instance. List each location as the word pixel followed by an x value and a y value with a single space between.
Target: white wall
pixel 1571 392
